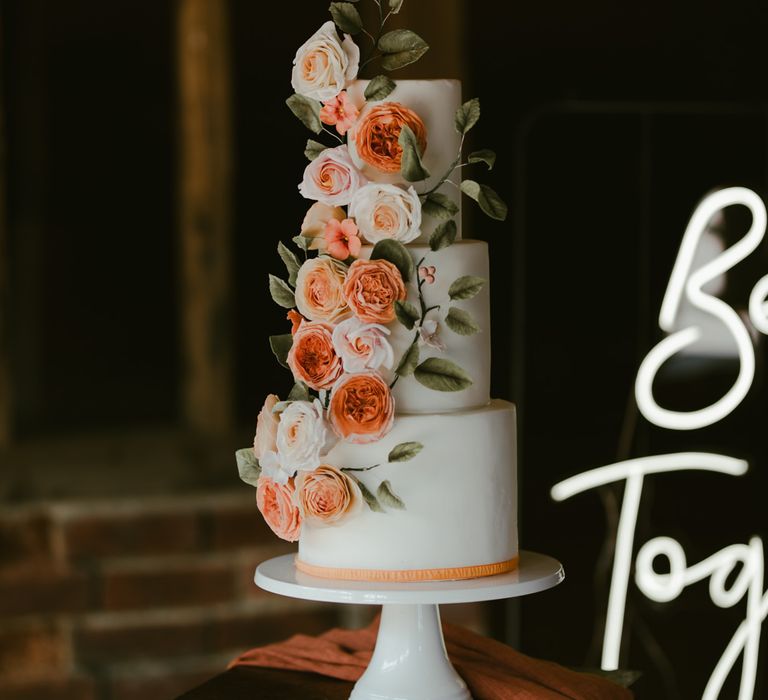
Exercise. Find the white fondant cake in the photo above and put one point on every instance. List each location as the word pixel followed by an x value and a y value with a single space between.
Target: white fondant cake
pixel 388 460
pixel 460 494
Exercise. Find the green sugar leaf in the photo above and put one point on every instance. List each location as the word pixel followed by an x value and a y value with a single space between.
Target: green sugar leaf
pixel 307 111
pixel 439 206
pixel 281 293
pixel 313 149
pixel 406 313
pixel 485 155
pixel 401 47
pixel 442 375
pixel 444 235
pixel 395 252
pixel 292 263
pixel 281 346
pixel 409 361
pixel 466 287
pixel 248 466
pixel 461 322
pixel 411 167
pixel 347 17
pixel 467 116
pixel 388 497
pixel 379 88
pixel 489 201
pixel 404 451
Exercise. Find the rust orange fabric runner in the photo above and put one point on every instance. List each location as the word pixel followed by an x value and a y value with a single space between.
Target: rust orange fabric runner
pixel 491 670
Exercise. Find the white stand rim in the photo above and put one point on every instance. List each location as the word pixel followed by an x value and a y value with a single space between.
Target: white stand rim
pixel 410 661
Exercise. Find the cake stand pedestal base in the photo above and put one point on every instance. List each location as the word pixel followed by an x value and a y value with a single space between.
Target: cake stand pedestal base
pixel 410 661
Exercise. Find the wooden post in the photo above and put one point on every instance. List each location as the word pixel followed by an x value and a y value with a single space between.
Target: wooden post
pixel 205 174
pixel 6 392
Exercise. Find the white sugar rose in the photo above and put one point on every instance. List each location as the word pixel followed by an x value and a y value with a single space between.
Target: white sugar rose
pixel 332 178
pixel 273 468
pixel 362 346
pixel 386 211
pixel 324 65
pixel 302 436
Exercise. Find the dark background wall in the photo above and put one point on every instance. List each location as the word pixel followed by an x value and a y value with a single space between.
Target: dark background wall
pixel 610 120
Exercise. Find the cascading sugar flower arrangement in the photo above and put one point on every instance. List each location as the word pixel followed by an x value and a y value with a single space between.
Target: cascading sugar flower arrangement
pixel 352 280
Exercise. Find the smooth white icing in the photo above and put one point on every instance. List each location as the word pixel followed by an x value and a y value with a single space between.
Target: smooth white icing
pixel 460 494
pixel 470 352
pixel 436 102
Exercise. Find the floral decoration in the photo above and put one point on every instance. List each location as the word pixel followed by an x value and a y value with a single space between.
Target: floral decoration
pixel 344 300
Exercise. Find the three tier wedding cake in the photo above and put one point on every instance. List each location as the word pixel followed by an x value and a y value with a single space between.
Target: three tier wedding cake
pixel 388 460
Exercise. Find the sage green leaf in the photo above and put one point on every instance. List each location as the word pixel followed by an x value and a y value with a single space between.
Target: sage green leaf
pixel 248 466
pixel 466 287
pixel 442 375
pixel 411 166
pixel 404 451
pixel 299 392
pixel 395 5
pixel 444 235
pixel 368 497
pixel 401 47
pixel 347 17
pixel 396 253
pixel 281 293
pixel 379 88
pixel 409 361
pixel 301 242
pixel 307 111
pixel 461 322
pixel 388 497
pixel 406 313
pixel 281 346
pixel 484 155
pixel 467 115
pixel 313 149
pixel 439 206
pixel 292 263
pixel 489 201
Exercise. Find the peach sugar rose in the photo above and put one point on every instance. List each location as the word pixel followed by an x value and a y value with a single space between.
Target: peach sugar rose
pixel 312 357
pixel 320 290
pixel 376 134
pixel 361 409
pixel 326 495
pixel 276 502
pixel 265 439
pixel 372 288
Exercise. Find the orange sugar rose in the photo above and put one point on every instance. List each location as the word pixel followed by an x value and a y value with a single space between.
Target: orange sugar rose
pixel 377 131
pixel 326 495
pixel 312 357
pixel 372 288
pixel 276 503
pixel 361 409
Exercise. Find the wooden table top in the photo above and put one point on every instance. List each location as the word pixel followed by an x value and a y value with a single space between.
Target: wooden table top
pixel 251 683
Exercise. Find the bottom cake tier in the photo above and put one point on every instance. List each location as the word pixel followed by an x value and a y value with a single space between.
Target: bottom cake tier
pixel 460 503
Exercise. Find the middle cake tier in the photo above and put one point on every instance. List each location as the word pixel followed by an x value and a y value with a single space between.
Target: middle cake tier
pixel 469 349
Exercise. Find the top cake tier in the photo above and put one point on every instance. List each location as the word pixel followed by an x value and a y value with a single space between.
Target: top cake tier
pixel 434 102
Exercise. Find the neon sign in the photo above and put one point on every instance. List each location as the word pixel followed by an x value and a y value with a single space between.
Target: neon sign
pixel 688 284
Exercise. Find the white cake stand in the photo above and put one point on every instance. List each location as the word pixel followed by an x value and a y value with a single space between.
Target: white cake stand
pixel 410 661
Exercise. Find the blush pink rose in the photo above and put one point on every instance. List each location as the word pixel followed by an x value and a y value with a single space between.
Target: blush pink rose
pixel 326 495
pixel 361 409
pixel 265 439
pixel 320 290
pixel 312 357
pixel 372 288
pixel 362 346
pixel 276 502
pixel 332 178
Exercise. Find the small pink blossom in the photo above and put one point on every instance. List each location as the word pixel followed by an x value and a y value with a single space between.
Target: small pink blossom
pixel 339 111
pixel 427 273
pixel 429 335
pixel 342 239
